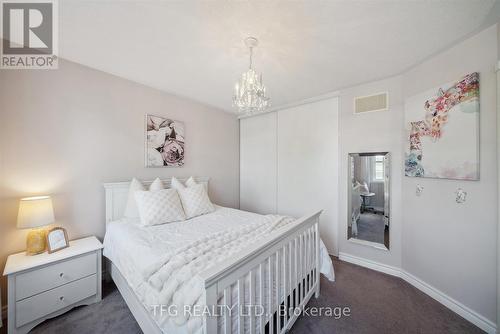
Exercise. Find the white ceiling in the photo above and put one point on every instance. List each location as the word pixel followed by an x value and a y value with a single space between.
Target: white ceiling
pixel 307 48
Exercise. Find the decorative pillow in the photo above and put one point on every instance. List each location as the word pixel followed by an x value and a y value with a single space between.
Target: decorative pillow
pixel 131 210
pixel 156 185
pixel 159 207
pixel 191 182
pixel 176 184
pixel 195 201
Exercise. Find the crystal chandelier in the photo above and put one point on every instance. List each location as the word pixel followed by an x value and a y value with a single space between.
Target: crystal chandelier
pixel 249 92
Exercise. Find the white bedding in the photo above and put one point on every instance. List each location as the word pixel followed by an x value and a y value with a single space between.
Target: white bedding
pixel 136 251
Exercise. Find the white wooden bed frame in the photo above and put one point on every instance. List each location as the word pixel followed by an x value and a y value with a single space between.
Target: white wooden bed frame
pixel 301 237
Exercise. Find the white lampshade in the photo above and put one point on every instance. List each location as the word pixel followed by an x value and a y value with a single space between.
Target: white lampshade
pixel 35 212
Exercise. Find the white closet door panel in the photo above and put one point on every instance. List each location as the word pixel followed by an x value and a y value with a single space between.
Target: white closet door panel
pixel 258 163
pixel 308 164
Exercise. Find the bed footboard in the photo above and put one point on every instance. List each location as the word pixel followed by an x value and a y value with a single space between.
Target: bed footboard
pixel 287 265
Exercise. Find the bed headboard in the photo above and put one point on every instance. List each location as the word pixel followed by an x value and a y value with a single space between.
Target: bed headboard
pixel 117 195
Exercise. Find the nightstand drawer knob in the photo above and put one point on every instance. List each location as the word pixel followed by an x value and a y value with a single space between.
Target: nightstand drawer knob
pixel 61 275
pixel 61 298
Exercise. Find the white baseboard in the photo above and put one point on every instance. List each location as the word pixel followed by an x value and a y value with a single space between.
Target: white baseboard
pixel 457 307
pixel 394 271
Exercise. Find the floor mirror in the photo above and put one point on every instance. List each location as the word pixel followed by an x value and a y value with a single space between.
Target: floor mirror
pixel 369 199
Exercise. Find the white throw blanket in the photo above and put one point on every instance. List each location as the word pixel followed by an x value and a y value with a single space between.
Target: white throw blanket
pixel 173 280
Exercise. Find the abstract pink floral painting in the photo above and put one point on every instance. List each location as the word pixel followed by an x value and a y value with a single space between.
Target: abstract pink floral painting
pixel 164 142
pixel 443 131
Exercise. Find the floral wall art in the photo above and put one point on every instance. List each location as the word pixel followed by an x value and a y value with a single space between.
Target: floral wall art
pixel 443 131
pixel 164 142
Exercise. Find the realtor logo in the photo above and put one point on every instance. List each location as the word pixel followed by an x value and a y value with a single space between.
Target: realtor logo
pixel 29 34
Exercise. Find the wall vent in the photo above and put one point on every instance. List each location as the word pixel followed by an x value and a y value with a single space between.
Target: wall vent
pixel 375 102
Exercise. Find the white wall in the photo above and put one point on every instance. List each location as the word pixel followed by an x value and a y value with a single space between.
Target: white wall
pixel 449 247
pixel 372 132
pixel 289 164
pixel 65 132
pixel 452 246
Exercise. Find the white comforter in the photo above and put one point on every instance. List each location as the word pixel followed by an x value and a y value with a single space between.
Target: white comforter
pixel 160 263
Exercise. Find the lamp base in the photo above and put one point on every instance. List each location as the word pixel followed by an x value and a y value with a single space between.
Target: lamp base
pixel 36 241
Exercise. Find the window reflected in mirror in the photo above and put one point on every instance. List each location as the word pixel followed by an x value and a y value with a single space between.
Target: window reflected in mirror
pixel 369 218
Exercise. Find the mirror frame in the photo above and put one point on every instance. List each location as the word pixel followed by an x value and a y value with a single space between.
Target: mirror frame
pixel 387 188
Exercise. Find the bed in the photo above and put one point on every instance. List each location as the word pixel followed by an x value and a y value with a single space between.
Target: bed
pixel 266 267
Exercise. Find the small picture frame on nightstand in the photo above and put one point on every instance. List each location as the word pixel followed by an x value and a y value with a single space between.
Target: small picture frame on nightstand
pixel 57 239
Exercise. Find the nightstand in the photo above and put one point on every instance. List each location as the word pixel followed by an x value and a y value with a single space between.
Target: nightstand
pixel 46 285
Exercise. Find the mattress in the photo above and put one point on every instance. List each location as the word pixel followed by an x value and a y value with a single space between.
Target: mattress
pixel 134 249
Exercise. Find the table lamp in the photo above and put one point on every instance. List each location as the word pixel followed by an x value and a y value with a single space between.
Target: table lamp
pixel 34 213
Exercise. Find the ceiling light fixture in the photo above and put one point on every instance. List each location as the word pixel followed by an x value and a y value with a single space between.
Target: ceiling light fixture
pixel 249 92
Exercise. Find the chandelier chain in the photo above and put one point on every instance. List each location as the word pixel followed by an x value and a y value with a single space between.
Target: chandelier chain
pixel 251 58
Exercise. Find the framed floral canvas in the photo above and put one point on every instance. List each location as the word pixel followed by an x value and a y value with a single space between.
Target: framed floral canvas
pixel 164 142
pixel 442 129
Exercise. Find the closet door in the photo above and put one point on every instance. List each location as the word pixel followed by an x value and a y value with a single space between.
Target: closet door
pixel 308 164
pixel 258 163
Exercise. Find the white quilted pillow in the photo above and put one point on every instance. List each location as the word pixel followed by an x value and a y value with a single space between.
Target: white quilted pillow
pixel 176 184
pixel 156 185
pixel 131 210
pixel 195 200
pixel 191 182
pixel 159 207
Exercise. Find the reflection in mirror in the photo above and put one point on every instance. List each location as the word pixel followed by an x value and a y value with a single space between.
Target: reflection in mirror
pixel 369 218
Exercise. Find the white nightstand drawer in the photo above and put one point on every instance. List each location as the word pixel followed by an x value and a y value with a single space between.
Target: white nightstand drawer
pixel 55 275
pixel 50 301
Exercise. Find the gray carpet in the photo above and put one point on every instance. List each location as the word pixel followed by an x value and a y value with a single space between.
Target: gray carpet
pixel 371 227
pixel 379 303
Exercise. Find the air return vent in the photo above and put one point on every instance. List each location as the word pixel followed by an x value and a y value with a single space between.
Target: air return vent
pixel 375 102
